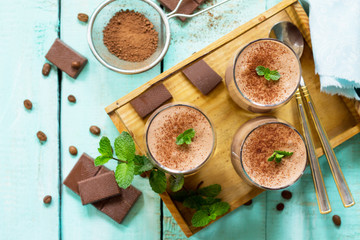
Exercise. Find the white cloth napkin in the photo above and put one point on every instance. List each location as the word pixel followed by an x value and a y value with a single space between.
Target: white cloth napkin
pixel 335 35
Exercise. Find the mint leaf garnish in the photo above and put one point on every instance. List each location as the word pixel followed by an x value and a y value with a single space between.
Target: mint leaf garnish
pixel 210 191
pixel 200 219
pixel 125 147
pixel 267 73
pixel 157 181
pixel 278 155
pixel 105 148
pixel 124 174
pixel 194 202
pixel 219 208
pixel 185 137
pixel 142 164
pixel 101 160
pixel 176 182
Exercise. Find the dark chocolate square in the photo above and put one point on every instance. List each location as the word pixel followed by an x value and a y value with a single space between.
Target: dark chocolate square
pixel 150 100
pixel 83 169
pixel 61 55
pixel 99 187
pixel 186 7
pixel 202 76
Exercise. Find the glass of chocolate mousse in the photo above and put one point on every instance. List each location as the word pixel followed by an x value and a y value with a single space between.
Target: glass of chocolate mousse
pixel 268 153
pixel 257 92
pixel 162 130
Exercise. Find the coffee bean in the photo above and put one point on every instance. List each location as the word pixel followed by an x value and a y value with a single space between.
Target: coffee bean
pixel 46 69
pixel 248 203
pixel 337 220
pixel 95 130
pixel 72 98
pixel 73 150
pixel 41 136
pixel 76 65
pixel 280 207
pixel 286 194
pixel 28 104
pixel 83 17
pixel 47 199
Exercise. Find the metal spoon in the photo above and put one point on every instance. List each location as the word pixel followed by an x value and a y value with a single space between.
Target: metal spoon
pixel 290 34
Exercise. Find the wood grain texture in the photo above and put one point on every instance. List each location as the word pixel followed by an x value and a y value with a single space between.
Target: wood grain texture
pixel 95 88
pixel 218 104
pixel 29 170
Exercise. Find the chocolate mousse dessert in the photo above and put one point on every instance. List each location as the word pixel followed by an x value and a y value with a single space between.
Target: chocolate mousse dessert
pixel 268 153
pixel 162 132
pixel 264 75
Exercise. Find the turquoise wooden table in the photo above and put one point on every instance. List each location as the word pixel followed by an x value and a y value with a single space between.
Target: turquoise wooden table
pixel 30 170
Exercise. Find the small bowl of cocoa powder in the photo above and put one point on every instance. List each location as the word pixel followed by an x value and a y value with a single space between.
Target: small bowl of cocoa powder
pixel 125 40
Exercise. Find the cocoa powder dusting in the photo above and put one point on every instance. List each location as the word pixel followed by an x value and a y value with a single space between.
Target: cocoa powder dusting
pixel 130 36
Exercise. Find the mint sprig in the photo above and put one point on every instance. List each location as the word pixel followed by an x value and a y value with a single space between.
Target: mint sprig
pixel 203 200
pixel 185 137
pixel 267 73
pixel 278 155
pixel 131 164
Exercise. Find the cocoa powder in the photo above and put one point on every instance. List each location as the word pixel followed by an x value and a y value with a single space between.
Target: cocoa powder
pixel 130 36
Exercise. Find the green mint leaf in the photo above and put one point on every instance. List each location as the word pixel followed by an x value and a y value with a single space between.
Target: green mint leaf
pixel 267 76
pixel 219 208
pixel 185 137
pixel 272 157
pixel 200 219
pixel 210 191
pixel 285 153
pixel 105 147
pixel 176 182
pixel 180 195
pixel 211 200
pixel 124 174
pixel 278 157
pixel 194 202
pixel 274 75
pixel 142 164
pixel 213 216
pixel 157 181
pixel 125 147
pixel 260 70
pixel 101 160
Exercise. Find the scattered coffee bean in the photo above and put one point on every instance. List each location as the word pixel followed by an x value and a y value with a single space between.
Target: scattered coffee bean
pixel 248 203
pixel 337 220
pixel 286 194
pixel 76 65
pixel 73 150
pixel 72 98
pixel 280 207
pixel 47 199
pixel 95 130
pixel 28 104
pixel 46 69
pixel 83 17
pixel 41 136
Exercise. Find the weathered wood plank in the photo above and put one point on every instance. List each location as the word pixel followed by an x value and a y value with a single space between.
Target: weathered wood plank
pixel 29 170
pixel 95 88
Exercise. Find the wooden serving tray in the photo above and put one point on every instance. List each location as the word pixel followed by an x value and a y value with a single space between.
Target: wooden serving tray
pixel 340 118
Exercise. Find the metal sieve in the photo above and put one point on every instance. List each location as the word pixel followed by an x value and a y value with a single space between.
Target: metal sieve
pixel 106 10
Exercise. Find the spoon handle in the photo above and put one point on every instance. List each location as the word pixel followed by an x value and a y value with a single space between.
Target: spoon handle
pixel 344 191
pixel 320 190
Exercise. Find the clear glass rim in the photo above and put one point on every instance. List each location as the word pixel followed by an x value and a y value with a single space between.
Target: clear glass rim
pixel 241 150
pixel 234 69
pixel 133 71
pixel 174 171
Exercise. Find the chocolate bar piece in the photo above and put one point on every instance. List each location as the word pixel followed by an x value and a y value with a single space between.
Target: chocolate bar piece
pixel 150 100
pixel 118 207
pixel 186 7
pixel 64 57
pixel 82 170
pixel 202 76
pixel 98 188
